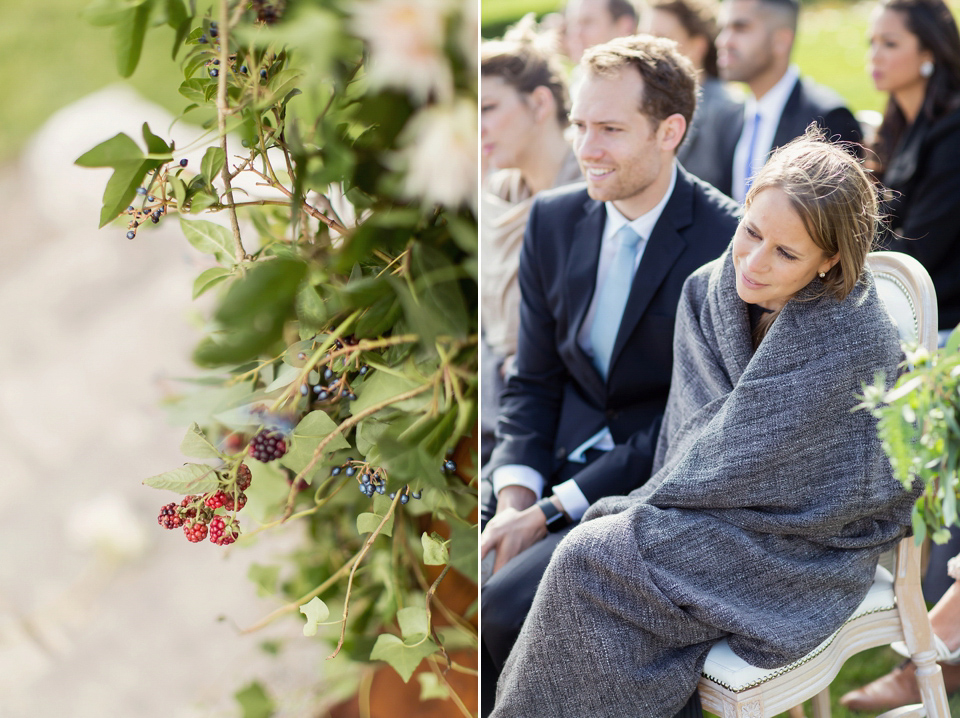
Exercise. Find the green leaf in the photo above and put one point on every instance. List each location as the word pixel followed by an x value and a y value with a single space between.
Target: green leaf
pixel 196 444
pixel 193 89
pixel 403 658
pixel 367 523
pixel 119 149
pixel 953 342
pixel 463 548
pixel 435 549
pixel 318 425
pixel 188 479
pixel 311 309
pixel 155 145
pixel 431 687
pixel 382 386
pixel 212 163
pixel 209 238
pixel 128 35
pixel 254 701
pixel 103 13
pixel 210 278
pixel 268 491
pixel 285 376
pixel 316 612
pixel 413 623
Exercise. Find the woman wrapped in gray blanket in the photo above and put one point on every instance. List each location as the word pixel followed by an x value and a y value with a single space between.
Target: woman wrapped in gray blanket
pixel 770 501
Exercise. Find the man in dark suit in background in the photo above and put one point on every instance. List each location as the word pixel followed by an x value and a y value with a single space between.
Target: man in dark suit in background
pixel 754 47
pixel 600 274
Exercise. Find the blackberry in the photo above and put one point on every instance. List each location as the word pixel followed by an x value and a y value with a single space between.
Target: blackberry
pixel 231 504
pixel 195 531
pixel 267 446
pixel 189 510
pixel 221 533
pixel 244 477
pixel 169 518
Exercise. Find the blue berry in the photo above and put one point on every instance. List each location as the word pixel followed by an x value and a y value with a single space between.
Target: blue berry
pixel 130 208
pixel 323 396
pixel 393 494
pixel 216 62
pixel 365 478
pixel 351 470
pixel 303 390
pixel 243 69
pixel 141 191
pixel 404 499
pixel 131 234
pixel 155 217
pixel 417 494
pixel 328 373
pixel 381 489
pixel 351 396
pixel 183 163
pixel 335 471
pixel 364 369
pixel 202 39
pixel 150 198
pixel 263 74
pixel 214 72
pixel 449 466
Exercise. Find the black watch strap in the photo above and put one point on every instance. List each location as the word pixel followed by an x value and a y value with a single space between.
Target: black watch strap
pixel 556 519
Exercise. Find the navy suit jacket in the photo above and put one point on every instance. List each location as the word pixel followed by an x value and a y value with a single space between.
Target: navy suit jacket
pixel 557 399
pixel 808 102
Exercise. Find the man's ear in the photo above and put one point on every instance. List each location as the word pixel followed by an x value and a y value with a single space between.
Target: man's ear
pixel 783 38
pixel 671 132
pixel 625 25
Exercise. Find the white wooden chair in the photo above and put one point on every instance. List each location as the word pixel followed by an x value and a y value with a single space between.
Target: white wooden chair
pixel 893 610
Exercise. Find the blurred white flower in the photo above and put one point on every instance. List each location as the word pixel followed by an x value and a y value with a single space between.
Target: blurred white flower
pixel 440 154
pixel 406 39
pixel 470 35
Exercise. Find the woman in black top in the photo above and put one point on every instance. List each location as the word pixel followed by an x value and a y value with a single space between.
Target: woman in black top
pixel 915 57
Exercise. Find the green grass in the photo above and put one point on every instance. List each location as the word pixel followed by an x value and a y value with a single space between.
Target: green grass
pixel 51 57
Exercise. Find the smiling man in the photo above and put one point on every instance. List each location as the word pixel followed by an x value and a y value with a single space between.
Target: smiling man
pixel 601 271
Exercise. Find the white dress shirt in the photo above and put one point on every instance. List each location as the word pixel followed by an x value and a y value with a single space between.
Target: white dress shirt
pixel 770 107
pixel 574 503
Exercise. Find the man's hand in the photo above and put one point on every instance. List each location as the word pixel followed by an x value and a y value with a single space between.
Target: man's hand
pixel 518 524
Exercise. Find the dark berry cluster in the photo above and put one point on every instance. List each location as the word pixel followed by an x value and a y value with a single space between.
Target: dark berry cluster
pixel 371 480
pixel 151 208
pixel 268 11
pixel 334 383
pixel 268 445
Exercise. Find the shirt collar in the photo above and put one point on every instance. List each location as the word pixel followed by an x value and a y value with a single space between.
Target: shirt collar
pixel 773 102
pixel 644 224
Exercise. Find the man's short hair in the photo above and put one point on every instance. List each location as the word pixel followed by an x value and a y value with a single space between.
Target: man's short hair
pixel 788 10
pixel 669 80
pixel 619 8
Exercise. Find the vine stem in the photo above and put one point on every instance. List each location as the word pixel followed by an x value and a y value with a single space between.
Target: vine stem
pixel 450 692
pixel 312 211
pixel 295 605
pixel 222 110
pixel 353 570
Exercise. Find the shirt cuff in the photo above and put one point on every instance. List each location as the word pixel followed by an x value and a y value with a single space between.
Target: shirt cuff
pixel 518 475
pixel 574 503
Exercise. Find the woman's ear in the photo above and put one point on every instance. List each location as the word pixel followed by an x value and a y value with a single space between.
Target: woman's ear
pixel 829 263
pixel 543 103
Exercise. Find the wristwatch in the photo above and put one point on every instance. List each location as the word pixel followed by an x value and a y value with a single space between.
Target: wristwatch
pixel 556 519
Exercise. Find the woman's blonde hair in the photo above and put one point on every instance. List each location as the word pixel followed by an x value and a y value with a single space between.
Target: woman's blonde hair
pixel 833 196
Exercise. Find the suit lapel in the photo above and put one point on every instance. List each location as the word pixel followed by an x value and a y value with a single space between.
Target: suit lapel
pixel 581 281
pixel 786 128
pixel 662 251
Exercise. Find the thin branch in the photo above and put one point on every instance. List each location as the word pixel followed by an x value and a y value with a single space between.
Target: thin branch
pixel 363 552
pixel 311 210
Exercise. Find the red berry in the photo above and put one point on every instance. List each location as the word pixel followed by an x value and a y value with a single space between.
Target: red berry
pixel 222 534
pixel 230 505
pixel 169 518
pixel 244 477
pixel 216 501
pixel 267 446
pixel 195 531
pixel 189 511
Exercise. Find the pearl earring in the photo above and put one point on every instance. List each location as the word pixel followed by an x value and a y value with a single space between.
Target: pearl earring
pixel 822 275
pixel 926 68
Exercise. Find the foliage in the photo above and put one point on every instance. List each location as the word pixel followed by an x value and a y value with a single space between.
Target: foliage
pixel 919 425
pixel 345 335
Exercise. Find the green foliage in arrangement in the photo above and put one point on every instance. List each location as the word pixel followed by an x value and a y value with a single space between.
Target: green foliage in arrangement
pixel 341 355
pixel 919 424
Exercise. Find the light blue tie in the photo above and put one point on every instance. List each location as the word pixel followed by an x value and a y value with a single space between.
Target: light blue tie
pixel 752 146
pixel 613 299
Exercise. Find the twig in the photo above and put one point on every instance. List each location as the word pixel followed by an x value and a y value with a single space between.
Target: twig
pixel 363 552
pixel 312 211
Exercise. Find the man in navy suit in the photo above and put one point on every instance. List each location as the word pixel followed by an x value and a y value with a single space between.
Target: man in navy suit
pixel 600 275
pixel 754 47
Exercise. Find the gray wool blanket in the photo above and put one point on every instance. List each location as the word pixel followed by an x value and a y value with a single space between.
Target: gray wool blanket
pixel 770 504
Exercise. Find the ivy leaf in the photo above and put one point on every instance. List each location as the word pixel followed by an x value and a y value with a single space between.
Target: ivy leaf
pixel 156 145
pixel 367 523
pixel 413 623
pixel 212 163
pixel 209 238
pixel 208 279
pixel 316 612
pixel 431 687
pixel 403 658
pixel 435 549
pixel 463 549
pixel 188 479
pixel 254 701
pixel 119 149
pixel 196 444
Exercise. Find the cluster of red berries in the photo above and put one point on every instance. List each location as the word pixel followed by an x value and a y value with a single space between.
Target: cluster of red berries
pixel 268 445
pixel 196 512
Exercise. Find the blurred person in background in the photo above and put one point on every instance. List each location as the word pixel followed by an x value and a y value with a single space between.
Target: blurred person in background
pixel 523 115
pixel 915 57
pixel 754 46
pixel 692 24
pixel 592 22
